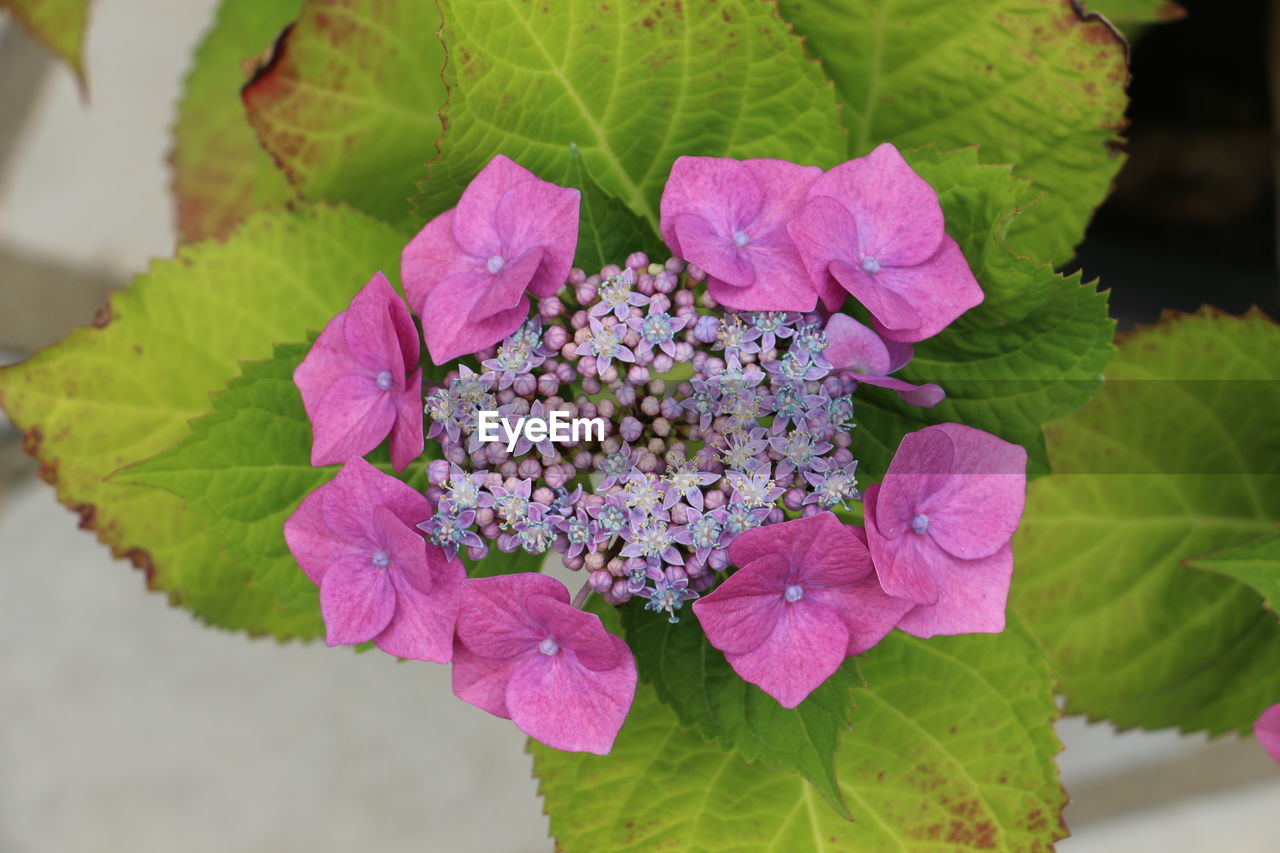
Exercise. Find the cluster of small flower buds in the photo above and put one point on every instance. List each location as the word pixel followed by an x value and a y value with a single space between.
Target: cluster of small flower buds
pixel 714 423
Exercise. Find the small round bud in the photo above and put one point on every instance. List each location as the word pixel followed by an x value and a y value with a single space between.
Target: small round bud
pixel 438 472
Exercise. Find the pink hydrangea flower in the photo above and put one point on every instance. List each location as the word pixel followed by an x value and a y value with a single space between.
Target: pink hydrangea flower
pixel 939 527
pixel 361 380
pixel 524 653
pixel 804 598
pixel 730 218
pixel 469 271
pixel 857 351
pixel 873 228
pixel 1267 728
pixel 379 580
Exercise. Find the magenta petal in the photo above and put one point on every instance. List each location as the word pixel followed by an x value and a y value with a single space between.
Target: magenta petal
pixel 1267 728
pixel 853 346
pixel 506 289
pixel 869 613
pixel 565 705
pixel 920 468
pixel 538 214
pixel 493 620
pixel 899 218
pixel 925 396
pixel 474 225
pixel 406 550
pixel 823 231
pixel 370 332
pixel 576 630
pixel 971 597
pixel 356 416
pixel 357 600
pixel 740 613
pixel 807 644
pixel 482 681
pixel 825 551
pixel 979 507
pixel 423 624
pixel 719 190
pixel 430 257
pixel 780 280
pixel 904 564
pixel 942 288
pixel 349 499
pixel 407 439
pixel 448 327
pixel 713 251
pixel 894 310
pixel 309 538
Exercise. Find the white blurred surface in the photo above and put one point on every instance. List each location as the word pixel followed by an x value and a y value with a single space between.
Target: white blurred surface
pixel 126 726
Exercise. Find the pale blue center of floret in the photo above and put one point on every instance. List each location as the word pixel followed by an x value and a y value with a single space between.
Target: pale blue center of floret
pixel 870 265
pixel 381 559
pixel 920 524
pixel 384 381
pixel 740 239
pixel 793 593
pixel 495 264
pixel 549 647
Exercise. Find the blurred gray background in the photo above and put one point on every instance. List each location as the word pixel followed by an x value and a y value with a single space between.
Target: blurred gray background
pixel 126 726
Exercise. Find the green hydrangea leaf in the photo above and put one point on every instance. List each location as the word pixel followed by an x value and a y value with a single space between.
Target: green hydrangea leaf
pixel 633 85
pixel 110 396
pixel 1034 350
pixel 348 102
pixel 1137 11
pixel 608 230
pixel 1032 82
pixel 952 749
pixel 694 678
pixel 220 172
pixel 1177 456
pixel 57 24
pixel 1254 563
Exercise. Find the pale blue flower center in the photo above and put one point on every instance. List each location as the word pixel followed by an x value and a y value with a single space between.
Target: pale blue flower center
pixel 384 381
pixel 495 264
pixel 548 647
pixel 740 239
pixel 870 265
pixel 381 558
pixel 920 524
pixel 794 593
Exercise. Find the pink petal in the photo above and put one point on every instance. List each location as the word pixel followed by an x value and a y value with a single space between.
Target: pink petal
pixel 357 600
pixel 825 551
pixel 719 190
pixel 891 308
pixel 565 705
pixel 423 624
pixel 899 354
pixel 432 256
pixel 506 289
pixel 574 629
pixel 407 439
pixel 925 396
pixel 448 327
pixel 475 225
pixel 941 289
pixel 1267 728
pixel 353 417
pixel 713 251
pixel 853 346
pixel 538 214
pixel 869 613
pixel 406 550
pixel 493 620
pixel 785 186
pixel 309 539
pixel 898 216
pixel 482 681
pixel 807 644
pixel 971 597
pixel 780 282
pixel 370 332
pixel 741 612
pixel 905 564
pixel 823 231
pixel 920 468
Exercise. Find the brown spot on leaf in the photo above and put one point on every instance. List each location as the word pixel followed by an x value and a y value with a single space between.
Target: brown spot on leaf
pixel 103 317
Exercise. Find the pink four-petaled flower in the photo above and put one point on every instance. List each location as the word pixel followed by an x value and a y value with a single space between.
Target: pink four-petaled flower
pixel 873 228
pixel 379 580
pixel 361 380
pixel 939 527
pixel 730 218
pixel 523 652
pixel 468 271
pixel 803 599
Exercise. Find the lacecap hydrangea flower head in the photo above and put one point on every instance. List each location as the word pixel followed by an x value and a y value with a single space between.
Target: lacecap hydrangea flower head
pixel 712 467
